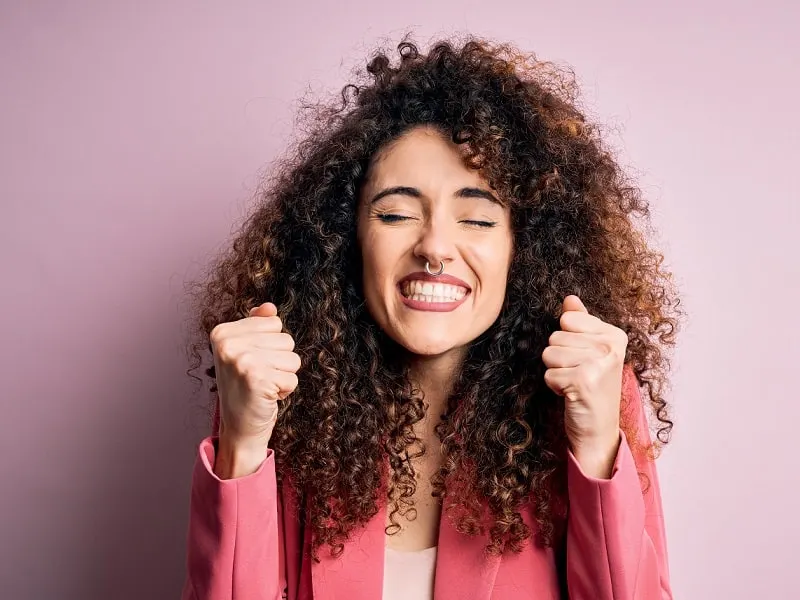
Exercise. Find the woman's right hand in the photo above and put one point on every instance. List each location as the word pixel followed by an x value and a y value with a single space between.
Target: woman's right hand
pixel 255 366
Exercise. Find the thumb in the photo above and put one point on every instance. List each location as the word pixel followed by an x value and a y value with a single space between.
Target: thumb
pixel 572 302
pixel 268 309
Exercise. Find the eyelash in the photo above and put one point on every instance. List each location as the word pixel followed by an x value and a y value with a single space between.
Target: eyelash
pixel 389 218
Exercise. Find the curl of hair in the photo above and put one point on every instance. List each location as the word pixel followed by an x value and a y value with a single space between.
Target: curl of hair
pixel 345 436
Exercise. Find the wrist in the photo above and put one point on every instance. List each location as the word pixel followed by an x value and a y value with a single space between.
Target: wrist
pixel 237 457
pixel 597 457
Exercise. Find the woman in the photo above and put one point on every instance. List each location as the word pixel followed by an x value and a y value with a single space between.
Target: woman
pixel 428 345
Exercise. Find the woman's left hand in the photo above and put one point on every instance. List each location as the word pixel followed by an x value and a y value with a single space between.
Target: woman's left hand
pixel 584 365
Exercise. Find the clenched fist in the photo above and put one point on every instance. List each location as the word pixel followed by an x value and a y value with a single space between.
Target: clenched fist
pixel 585 360
pixel 255 366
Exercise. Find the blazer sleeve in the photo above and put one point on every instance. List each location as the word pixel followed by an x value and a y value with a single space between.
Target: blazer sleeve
pixel 235 537
pixel 616 543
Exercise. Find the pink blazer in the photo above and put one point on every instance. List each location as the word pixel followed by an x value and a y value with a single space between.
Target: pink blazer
pixel 245 542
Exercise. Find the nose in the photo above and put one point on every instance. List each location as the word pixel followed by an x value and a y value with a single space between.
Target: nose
pixel 436 244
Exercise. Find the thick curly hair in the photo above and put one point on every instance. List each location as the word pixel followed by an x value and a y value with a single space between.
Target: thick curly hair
pixel 344 437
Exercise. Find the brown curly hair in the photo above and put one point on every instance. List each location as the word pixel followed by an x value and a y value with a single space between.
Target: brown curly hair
pixel 344 437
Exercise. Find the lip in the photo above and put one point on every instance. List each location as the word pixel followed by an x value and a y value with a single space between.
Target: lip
pixel 433 306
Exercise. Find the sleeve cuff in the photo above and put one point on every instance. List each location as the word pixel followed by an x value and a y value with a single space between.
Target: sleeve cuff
pixel 624 475
pixel 208 456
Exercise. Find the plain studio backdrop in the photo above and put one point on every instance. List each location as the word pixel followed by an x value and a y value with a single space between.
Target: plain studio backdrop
pixel 132 138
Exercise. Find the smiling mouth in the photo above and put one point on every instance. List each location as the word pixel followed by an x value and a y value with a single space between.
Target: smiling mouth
pixel 425 291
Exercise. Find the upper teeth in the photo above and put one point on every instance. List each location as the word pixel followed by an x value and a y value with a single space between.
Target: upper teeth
pixel 433 292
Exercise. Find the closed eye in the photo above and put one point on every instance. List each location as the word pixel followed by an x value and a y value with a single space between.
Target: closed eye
pixel 390 218
pixel 393 218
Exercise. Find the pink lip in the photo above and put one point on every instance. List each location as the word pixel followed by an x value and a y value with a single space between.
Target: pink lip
pixel 433 306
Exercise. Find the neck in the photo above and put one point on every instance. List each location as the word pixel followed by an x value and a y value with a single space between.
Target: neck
pixel 435 376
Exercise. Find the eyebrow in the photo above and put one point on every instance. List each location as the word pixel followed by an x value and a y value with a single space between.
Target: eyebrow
pixel 465 192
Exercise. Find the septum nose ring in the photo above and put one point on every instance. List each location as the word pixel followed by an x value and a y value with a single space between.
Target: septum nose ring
pixel 437 273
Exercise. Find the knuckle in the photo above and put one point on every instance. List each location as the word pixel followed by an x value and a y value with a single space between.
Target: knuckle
pixel 223 350
pixel 293 381
pixel 217 334
pixel 269 379
pixel 288 340
pixel 245 366
pixel 268 389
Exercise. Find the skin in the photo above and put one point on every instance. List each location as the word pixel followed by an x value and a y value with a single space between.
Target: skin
pixel 398 233
pixel 433 219
pixel 585 360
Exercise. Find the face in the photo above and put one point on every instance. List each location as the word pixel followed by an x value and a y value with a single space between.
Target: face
pixel 420 204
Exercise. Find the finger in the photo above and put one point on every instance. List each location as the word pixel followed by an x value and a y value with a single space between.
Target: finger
pixel 581 322
pixel 281 360
pixel 571 339
pixel 560 379
pixel 268 309
pixel 272 341
pixel 254 324
pixel 282 383
pixel 573 302
pixel 561 357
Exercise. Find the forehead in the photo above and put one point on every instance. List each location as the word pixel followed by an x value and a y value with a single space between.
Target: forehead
pixel 422 156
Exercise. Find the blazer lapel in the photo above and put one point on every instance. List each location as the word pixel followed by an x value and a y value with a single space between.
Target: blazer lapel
pixel 358 573
pixel 463 569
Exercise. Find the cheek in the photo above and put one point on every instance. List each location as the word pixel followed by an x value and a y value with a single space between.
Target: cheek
pixel 495 261
pixel 377 259
pixel 495 257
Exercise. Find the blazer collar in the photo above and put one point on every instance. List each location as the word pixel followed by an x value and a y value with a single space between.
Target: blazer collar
pixel 463 570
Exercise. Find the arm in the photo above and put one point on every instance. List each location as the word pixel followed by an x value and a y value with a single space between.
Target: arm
pixel 616 545
pixel 235 539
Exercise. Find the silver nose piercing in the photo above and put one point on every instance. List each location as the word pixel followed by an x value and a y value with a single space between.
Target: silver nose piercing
pixel 437 273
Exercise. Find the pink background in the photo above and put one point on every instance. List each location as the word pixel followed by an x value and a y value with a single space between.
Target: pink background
pixel 131 138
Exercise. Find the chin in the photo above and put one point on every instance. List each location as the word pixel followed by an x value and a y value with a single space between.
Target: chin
pixel 428 346
pixel 429 350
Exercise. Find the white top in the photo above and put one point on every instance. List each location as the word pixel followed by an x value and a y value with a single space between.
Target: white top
pixel 409 575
